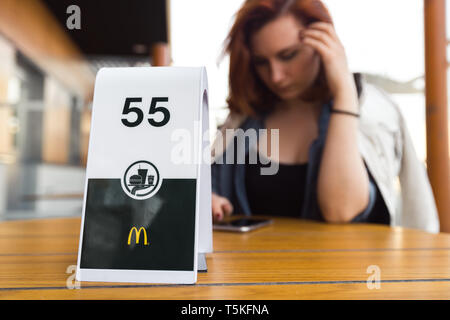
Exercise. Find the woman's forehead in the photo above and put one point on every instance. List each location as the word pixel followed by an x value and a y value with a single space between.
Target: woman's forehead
pixel 275 36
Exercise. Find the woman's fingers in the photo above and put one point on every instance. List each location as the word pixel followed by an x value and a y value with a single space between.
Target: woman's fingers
pixel 323 32
pixel 220 207
pixel 227 207
pixel 217 210
pixel 318 45
pixel 325 27
pixel 218 216
pixel 317 35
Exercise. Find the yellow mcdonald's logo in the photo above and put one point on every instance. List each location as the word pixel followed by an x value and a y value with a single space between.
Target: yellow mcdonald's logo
pixel 138 234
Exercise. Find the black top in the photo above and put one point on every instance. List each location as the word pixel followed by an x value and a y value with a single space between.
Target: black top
pixel 280 194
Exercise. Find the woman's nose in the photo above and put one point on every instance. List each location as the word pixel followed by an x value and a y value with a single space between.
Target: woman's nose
pixel 278 74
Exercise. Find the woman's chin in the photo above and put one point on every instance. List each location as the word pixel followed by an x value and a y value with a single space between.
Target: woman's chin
pixel 286 96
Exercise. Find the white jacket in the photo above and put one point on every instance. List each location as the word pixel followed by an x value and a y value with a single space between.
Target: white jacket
pixel 387 148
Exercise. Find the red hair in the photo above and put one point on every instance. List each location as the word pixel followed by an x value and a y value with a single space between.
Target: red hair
pixel 247 93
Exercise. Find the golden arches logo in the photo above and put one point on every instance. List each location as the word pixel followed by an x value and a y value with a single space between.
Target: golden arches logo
pixel 138 234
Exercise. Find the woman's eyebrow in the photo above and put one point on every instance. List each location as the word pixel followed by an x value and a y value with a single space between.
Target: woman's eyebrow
pixel 279 53
pixel 285 50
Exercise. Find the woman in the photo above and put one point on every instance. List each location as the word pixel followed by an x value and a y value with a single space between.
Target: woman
pixel 288 71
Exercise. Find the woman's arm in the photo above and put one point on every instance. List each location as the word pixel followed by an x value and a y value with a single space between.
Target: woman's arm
pixel 343 183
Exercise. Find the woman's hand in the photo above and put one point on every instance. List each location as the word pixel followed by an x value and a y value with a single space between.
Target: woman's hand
pixel 323 38
pixel 220 207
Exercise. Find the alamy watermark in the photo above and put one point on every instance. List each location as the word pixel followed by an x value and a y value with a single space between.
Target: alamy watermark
pixel 74 20
pixel 374 280
pixel 229 148
pixel 71 282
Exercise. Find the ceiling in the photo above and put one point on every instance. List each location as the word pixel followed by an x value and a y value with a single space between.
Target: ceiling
pixel 115 28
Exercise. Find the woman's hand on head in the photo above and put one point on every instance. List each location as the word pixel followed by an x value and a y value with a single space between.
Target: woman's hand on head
pixel 221 206
pixel 323 38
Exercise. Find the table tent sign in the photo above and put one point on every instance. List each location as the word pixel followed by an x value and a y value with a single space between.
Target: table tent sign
pixel 147 201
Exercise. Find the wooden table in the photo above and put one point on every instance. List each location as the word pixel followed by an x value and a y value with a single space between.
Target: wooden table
pixel 291 259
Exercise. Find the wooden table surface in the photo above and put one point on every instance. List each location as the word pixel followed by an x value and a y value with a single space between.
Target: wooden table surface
pixel 291 259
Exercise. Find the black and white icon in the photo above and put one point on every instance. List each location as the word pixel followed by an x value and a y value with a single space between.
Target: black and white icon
pixel 141 180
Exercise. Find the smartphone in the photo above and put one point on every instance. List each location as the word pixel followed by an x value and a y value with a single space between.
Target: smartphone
pixel 242 224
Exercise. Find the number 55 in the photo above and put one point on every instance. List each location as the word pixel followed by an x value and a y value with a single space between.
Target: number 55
pixel 140 115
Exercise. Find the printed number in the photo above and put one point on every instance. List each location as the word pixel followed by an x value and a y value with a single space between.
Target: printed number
pixel 127 109
pixel 154 109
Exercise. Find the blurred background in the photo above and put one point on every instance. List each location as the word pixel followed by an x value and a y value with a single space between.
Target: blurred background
pixel 51 50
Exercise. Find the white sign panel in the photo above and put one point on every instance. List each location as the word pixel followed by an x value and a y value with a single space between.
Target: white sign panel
pixel 147 203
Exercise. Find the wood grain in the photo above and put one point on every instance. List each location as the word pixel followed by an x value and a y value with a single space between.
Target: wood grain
pixel 406 290
pixel 291 259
